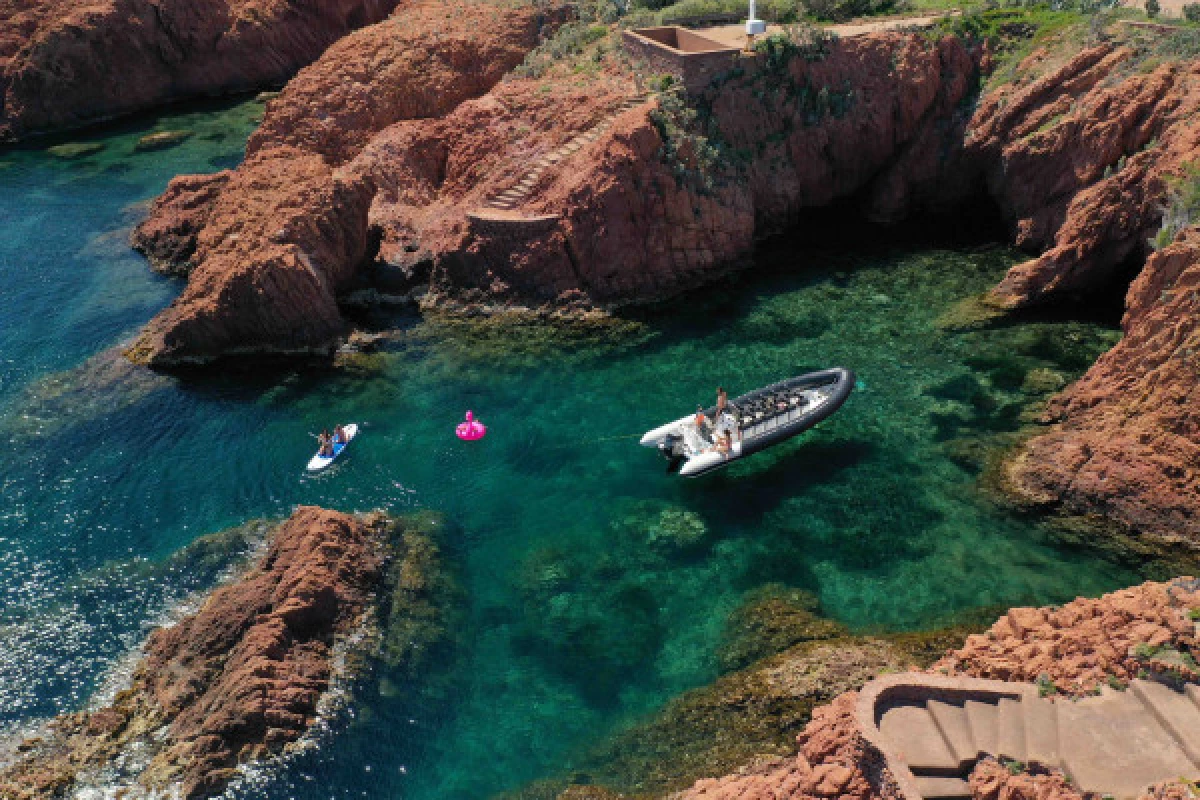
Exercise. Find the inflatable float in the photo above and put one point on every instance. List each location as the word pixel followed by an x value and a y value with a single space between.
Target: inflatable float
pixel 471 429
pixel 763 418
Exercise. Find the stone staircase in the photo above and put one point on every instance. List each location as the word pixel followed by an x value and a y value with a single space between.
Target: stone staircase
pixel 515 197
pixel 932 730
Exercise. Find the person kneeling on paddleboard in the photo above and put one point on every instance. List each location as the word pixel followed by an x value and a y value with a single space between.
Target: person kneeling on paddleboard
pixel 326 442
pixel 339 435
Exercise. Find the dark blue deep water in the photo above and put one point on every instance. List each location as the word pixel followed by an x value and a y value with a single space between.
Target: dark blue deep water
pixel 583 614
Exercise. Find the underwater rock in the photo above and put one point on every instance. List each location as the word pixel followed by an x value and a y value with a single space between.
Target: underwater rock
pixel 748 717
pixel 677 531
pixel 161 140
pixel 74 150
pixel 240 679
pixel 772 619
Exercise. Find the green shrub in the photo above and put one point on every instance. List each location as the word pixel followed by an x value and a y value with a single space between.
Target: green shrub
pixel 1182 207
pixel 1152 8
pixel 569 41
pixel 1194 614
pixel 1191 12
pixel 692 157
pixel 810 42
pixel 1046 686
pixel 842 10
pixel 780 12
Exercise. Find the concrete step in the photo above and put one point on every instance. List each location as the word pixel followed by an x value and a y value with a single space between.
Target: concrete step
pixel 916 738
pixel 951 721
pixel 1175 712
pixel 943 788
pixel 1041 732
pixel 1010 729
pixel 1193 693
pixel 1112 744
pixel 982 719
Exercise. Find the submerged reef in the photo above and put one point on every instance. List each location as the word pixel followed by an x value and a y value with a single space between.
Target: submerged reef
pixel 800 662
pixel 243 678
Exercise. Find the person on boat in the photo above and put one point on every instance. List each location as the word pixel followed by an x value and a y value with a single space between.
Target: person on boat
pixel 339 435
pixel 727 423
pixel 722 402
pixel 326 441
pixel 724 443
pixel 700 420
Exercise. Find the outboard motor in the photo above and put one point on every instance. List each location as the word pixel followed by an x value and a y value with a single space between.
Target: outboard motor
pixel 671 448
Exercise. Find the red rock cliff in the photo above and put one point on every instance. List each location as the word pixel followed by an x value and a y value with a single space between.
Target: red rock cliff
pixel 63 64
pixel 269 246
pixel 272 244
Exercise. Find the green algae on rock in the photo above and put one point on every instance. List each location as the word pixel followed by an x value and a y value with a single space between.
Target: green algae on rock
pixel 772 619
pixel 160 140
pixel 74 150
pixel 745 716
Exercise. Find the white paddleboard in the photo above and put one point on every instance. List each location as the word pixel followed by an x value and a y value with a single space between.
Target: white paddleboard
pixel 320 462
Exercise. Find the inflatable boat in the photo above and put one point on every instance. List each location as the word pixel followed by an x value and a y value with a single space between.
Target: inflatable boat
pixel 754 421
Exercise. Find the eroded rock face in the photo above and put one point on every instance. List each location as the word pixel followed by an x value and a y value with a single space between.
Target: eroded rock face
pixel 233 683
pixel 268 247
pixel 1078 157
pixel 65 64
pixel 1125 441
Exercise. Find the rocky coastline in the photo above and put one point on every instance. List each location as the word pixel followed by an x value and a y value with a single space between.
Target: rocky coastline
pixel 1069 651
pixel 242 679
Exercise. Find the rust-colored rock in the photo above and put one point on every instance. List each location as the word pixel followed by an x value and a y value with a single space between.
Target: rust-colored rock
pixel 1125 441
pixel 236 681
pixel 1085 643
pixel 992 781
pixel 269 247
pixel 1077 646
pixel 64 64
pixel 631 228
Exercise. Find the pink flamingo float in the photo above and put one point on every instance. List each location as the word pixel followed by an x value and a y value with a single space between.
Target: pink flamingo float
pixel 470 430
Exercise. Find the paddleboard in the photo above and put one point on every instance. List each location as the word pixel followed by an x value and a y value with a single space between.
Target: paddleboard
pixel 320 462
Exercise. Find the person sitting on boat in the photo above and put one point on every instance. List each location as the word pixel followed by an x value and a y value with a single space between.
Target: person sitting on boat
pixel 727 423
pixel 700 420
pixel 326 441
pixel 339 435
pixel 722 402
pixel 724 443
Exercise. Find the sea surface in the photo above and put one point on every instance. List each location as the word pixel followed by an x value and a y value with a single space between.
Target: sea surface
pixel 598 584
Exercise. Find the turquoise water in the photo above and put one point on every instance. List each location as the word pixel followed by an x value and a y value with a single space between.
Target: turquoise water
pixel 598 584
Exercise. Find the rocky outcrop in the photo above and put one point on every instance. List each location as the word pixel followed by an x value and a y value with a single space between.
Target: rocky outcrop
pixel 1099 641
pixel 242 678
pixel 1125 441
pixel 1090 208
pixel 66 64
pixel 269 247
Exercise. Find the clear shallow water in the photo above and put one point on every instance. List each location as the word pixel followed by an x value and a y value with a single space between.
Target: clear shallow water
pixel 585 612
